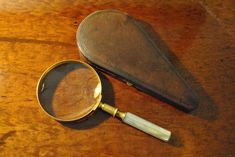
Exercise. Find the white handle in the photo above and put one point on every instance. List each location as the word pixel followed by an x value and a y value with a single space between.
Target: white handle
pixel 147 126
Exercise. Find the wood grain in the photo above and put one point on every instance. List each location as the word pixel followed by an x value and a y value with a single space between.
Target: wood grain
pixel 36 34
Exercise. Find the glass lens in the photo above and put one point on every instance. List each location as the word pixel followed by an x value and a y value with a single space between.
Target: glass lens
pixel 69 91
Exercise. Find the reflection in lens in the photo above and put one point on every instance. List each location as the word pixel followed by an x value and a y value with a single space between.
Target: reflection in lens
pixel 70 91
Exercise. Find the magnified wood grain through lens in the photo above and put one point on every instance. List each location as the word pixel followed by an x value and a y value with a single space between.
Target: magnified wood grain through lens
pixel 68 91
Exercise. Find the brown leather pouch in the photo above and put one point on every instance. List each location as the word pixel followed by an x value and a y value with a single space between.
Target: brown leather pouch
pixel 115 42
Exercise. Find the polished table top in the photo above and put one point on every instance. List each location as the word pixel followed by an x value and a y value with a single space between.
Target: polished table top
pixel 36 34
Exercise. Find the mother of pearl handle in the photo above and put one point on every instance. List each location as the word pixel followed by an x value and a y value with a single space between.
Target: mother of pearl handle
pixel 137 122
pixel 147 127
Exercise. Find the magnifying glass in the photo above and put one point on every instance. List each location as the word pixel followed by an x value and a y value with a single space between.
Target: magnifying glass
pixel 71 90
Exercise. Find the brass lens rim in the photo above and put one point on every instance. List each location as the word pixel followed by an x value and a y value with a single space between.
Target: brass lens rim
pixel 44 74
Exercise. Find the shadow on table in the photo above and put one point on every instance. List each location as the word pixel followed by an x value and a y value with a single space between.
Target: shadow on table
pixel 175 141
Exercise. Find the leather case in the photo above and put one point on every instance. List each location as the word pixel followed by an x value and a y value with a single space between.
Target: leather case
pixel 114 42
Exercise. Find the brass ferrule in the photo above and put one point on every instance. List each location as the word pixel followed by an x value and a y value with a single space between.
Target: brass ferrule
pixel 112 110
pixel 121 114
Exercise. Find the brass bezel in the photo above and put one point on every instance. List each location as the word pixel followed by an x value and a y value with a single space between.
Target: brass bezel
pixel 54 66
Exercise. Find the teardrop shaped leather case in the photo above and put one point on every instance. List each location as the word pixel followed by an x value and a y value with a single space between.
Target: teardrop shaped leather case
pixel 114 42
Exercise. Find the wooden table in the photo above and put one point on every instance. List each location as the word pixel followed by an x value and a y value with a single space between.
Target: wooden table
pixel 36 34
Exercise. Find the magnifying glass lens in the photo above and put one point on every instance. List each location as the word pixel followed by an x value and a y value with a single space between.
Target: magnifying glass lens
pixel 69 91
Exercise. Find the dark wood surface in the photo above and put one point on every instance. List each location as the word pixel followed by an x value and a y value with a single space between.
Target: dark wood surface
pixel 200 34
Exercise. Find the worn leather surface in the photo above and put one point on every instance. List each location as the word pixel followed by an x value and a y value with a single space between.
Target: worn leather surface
pixel 117 42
